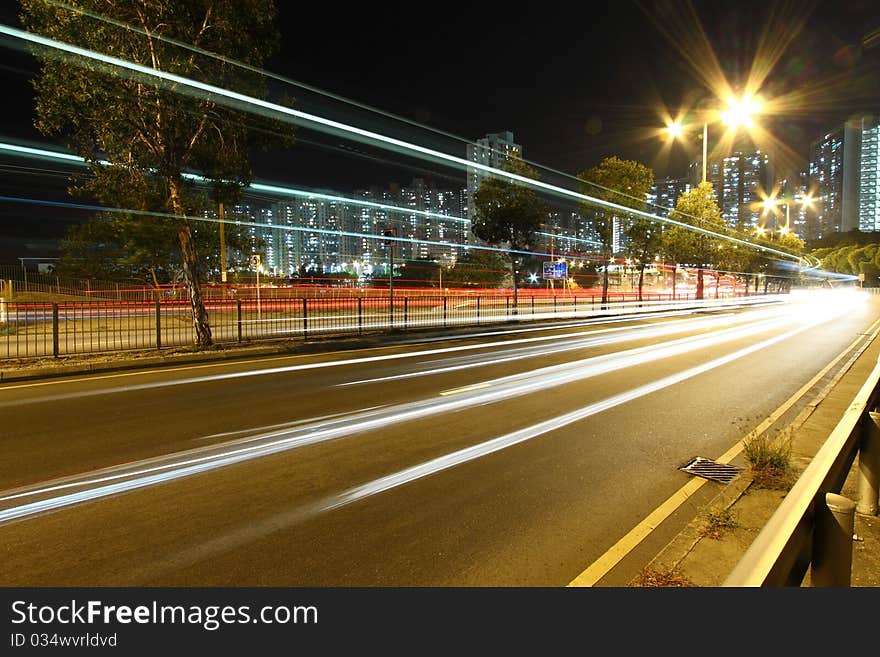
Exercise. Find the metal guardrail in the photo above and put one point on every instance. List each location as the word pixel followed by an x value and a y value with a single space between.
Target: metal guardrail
pixel 813 526
pixel 39 330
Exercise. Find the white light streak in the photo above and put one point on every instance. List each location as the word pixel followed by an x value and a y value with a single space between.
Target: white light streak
pixel 334 127
pixel 134 476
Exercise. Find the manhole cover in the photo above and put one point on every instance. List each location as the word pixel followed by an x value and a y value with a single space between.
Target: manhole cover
pixel 711 470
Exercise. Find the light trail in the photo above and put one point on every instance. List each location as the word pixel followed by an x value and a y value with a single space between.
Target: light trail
pixel 283 369
pixel 568 344
pixel 460 457
pixel 258 528
pixel 296 229
pixel 237 100
pixel 315 90
pixel 134 476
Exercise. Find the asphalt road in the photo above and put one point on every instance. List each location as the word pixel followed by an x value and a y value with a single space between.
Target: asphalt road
pixel 513 457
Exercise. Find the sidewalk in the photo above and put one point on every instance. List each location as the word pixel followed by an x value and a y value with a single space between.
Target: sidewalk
pixel 694 558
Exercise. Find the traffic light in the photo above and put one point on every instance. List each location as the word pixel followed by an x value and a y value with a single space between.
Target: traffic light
pixel 389 232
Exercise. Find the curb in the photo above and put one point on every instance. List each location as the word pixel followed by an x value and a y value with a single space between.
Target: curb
pixel 672 559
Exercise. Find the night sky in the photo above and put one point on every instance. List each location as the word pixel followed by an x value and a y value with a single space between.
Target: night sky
pixel 574 82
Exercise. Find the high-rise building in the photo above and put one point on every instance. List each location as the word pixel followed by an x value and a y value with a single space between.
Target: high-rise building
pixel 869 180
pixel 745 181
pixel 741 181
pixel 844 172
pixel 493 150
pixel 664 194
pixel 793 193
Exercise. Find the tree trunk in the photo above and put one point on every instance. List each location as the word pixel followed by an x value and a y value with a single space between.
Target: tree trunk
pixel 674 275
pixel 201 325
pixel 641 279
pixel 699 294
pixel 190 262
pixel 717 282
pixel 756 284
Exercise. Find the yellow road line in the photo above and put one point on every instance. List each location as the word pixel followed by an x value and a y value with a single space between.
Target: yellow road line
pixel 455 391
pixel 603 565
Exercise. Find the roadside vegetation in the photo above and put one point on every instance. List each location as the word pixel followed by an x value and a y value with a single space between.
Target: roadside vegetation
pixel 770 460
pixel 718 522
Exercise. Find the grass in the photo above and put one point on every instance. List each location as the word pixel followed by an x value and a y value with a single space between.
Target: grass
pixel 718 521
pixel 651 578
pixel 770 460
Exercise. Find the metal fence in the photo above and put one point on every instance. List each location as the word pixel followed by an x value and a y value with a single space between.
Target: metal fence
pixel 36 330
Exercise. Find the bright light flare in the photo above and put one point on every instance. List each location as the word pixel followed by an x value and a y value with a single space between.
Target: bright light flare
pixel 674 129
pixel 740 111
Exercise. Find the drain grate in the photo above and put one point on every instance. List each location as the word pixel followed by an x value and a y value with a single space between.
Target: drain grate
pixel 707 469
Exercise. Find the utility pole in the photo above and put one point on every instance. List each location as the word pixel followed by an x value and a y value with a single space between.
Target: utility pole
pixel 390 233
pixel 222 250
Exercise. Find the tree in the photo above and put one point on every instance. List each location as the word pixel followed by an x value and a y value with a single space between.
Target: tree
pixel 627 183
pixel 643 244
pixel 141 137
pixel 508 213
pixel 699 208
pixel 479 268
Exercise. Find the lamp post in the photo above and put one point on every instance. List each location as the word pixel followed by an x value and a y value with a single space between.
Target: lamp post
pixel 772 203
pixel 739 112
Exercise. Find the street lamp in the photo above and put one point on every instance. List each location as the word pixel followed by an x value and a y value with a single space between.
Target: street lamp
pixel 772 203
pixel 739 112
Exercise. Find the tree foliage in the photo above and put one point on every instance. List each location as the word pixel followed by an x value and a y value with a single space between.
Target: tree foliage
pixel 508 213
pixel 478 268
pixel 626 183
pixel 697 208
pixel 852 259
pixel 140 136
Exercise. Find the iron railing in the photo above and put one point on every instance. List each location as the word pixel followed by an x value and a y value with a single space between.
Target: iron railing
pixel 38 330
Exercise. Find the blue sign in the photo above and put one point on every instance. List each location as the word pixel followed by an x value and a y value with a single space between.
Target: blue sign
pixel 556 269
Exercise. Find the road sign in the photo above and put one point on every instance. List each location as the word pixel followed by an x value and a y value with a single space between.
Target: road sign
pixel 556 270
pixel 256 260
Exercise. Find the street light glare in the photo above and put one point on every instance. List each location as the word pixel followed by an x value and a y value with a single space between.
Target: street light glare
pixel 740 111
pixel 674 129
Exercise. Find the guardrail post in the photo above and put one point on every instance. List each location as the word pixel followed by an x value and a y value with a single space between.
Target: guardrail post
pixel 158 324
pixel 238 316
pixel 405 311
pixel 360 315
pixel 305 310
pixel 478 310
pixel 533 306
pixel 832 541
pixel 55 330
pixel 869 466
pixel 444 312
pixel 507 306
pixel 554 304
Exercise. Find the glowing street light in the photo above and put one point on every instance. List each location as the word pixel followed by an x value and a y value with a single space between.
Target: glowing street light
pixel 771 204
pixel 738 114
pixel 740 111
